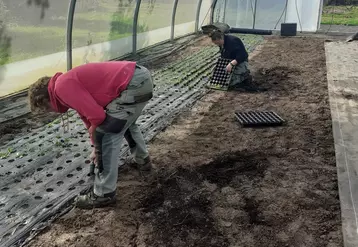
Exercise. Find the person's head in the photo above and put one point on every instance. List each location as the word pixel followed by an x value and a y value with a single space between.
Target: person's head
pixel 39 98
pixel 217 37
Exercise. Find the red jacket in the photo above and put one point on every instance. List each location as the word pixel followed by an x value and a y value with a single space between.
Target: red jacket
pixel 89 88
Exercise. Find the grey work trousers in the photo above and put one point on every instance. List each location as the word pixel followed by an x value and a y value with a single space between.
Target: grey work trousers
pixel 240 73
pixel 121 116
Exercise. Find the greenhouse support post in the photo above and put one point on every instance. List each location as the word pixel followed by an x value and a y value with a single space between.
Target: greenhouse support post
pixel 175 5
pixel 320 15
pixel 285 18
pixel 197 19
pixel 254 16
pixel 135 27
pixel 213 6
pixel 71 12
pixel 224 14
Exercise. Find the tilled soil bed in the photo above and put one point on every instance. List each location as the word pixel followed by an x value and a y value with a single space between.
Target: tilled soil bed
pixel 218 184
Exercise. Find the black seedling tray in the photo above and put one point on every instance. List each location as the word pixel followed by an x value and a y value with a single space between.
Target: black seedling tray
pixel 259 119
pixel 220 78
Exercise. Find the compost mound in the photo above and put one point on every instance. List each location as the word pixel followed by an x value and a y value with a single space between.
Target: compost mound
pixel 180 206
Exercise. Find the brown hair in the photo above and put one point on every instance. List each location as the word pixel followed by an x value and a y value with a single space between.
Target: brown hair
pixel 39 97
pixel 216 35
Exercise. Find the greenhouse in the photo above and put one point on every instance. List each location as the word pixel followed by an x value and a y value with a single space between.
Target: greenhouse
pixel 219 181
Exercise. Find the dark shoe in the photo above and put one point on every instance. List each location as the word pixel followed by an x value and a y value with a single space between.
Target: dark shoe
pixel 90 200
pixel 146 167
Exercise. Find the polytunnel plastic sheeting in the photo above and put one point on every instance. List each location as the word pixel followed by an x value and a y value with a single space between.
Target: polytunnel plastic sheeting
pixel 219 11
pixel 155 17
pixel 43 170
pixel 235 13
pixel 205 12
pixel 32 41
pixel 306 13
pixel 102 30
pixel 269 14
pixel 185 17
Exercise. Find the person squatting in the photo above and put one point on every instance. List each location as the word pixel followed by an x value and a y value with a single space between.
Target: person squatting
pixel 231 47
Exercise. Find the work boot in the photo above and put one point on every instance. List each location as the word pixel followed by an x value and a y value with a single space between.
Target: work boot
pixel 146 167
pixel 248 79
pixel 244 87
pixel 90 200
pixel 247 86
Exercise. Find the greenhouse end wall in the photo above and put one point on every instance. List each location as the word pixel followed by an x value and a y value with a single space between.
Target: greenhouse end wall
pixel 33 37
pixel 269 14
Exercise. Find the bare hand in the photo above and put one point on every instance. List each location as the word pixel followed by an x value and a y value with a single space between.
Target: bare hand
pixel 229 68
pixel 93 156
pixel 91 130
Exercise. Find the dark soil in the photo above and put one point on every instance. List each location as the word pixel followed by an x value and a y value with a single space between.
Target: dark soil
pixel 218 184
pixel 23 125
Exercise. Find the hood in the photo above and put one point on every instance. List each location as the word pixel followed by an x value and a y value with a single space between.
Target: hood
pixel 55 103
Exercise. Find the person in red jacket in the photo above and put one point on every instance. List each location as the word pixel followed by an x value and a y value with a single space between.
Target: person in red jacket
pixel 109 97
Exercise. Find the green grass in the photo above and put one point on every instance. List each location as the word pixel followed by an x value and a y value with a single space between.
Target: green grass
pixel 340 15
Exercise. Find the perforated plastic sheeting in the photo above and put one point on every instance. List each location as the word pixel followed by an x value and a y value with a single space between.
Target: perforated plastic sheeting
pixel 43 171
